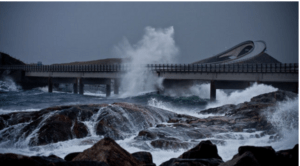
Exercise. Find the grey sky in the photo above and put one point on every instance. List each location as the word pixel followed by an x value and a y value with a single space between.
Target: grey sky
pixel 73 31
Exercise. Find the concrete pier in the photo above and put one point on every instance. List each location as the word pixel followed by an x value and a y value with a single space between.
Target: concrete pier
pixel 108 89
pixel 116 86
pixel 50 85
pixel 75 87
pixel 81 85
pixel 212 91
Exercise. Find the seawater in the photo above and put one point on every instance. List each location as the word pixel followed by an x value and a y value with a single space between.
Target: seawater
pixel 285 118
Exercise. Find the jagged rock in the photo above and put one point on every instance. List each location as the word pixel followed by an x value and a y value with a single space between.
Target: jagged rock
pixel 10 159
pixel 132 117
pixel 192 162
pixel 144 157
pixel 174 144
pixel 146 135
pixel 288 157
pixel 264 155
pixel 204 150
pixel 244 116
pixel 62 123
pixel 108 151
pixel 273 97
pixel 246 159
pixel 71 156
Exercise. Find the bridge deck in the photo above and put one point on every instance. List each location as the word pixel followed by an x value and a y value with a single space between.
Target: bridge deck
pixel 227 72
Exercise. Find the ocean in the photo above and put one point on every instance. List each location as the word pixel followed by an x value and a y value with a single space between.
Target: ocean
pixel 14 99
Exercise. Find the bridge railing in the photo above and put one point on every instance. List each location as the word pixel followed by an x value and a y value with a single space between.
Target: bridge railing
pixel 207 68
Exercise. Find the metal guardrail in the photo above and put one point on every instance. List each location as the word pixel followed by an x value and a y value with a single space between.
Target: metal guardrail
pixel 208 68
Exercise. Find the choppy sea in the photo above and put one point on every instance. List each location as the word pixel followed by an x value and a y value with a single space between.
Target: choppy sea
pixel 14 99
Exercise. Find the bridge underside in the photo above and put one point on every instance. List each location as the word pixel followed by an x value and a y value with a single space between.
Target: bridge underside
pixel 184 85
pixel 217 80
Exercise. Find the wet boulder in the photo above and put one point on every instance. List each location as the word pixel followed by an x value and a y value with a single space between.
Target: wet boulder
pixel 246 159
pixel 144 157
pixel 273 97
pixel 204 150
pixel 61 123
pixel 170 144
pixel 121 120
pixel 108 151
pixel 264 155
pixel 205 153
pixel 192 162
pixel 71 156
pixel 59 128
pixel 247 115
pixel 10 159
pixel 288 157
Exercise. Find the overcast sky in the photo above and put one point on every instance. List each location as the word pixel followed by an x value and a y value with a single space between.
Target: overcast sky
pixel 72 31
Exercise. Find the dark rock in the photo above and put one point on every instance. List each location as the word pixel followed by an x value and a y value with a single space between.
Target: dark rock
pixel 10 159
pixel 146 135
pixel 246 159
pixel 79 163
pixel 204 150
pixel 288 157
pixel 144 157
pixel 273 97
pixel 264 155
pixel 192 162
pixel 169 144
pixel 108 151
pixel 69 157
pixel 63 123
pixel 132 117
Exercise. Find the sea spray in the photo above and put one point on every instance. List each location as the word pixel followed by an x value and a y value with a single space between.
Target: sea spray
pixel 236 97
pixel 223 98
pixel 156 46
pixel 8 85
pixel 285 118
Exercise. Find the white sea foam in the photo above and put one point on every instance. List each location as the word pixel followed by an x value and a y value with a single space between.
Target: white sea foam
pixel 8 85
pixel 6 111
pixel 156 46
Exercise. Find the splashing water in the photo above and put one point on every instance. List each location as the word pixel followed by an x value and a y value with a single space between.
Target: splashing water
pixel 8 85
pixel 235 97
pixel 156 46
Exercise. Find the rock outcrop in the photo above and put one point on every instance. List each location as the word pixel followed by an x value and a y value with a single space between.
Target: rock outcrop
pixel 108 151
pixel 62 123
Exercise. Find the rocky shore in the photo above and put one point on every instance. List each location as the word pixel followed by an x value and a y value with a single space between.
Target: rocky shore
pixel 107 152
pixel 152 128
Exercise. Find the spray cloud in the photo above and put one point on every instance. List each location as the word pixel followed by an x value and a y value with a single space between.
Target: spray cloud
pixel 156 46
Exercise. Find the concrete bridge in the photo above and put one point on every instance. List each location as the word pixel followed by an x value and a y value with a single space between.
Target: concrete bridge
pixel 221 76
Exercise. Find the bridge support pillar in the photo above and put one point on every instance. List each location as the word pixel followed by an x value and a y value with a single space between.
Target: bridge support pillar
pixel 80 86
pixel 108 89
pixel 50 85
pixel 116 86
pixel 212 91
pixel 75 87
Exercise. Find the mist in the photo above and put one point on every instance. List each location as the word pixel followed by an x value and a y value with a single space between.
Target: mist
pixel 156 46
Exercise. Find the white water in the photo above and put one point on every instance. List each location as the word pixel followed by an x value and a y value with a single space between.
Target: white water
pixel 156 46
pixel 284 117
pixel 8 85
